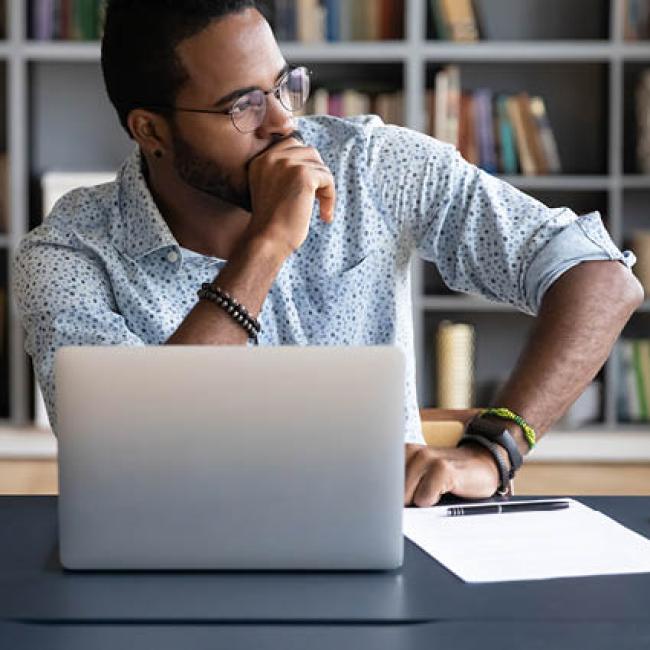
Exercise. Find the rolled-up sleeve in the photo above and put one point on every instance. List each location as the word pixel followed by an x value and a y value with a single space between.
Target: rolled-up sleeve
pixel 63 297
pixel 485 236
pixel 583 240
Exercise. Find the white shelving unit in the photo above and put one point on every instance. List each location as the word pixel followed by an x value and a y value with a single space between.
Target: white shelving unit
pixel 36 70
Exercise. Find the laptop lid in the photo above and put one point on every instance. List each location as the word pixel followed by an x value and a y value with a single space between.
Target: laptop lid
pixel 230 457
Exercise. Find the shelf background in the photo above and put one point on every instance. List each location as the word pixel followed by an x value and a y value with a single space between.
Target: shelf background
pixel 570 51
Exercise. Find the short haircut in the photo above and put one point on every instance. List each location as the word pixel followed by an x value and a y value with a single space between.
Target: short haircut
pixel 139 61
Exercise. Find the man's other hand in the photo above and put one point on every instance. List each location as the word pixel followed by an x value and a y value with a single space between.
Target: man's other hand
pixel 468 472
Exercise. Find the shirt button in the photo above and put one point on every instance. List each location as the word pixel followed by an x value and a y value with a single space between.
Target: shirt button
pixel 172 256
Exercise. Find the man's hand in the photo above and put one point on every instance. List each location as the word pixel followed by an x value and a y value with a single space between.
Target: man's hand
pixel 468 471
pixel 285 181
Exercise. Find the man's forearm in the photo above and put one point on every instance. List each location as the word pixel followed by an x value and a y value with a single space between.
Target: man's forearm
pixel 581 317
pixel 248 277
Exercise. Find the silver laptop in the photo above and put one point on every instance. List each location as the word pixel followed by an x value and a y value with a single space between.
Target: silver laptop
pixel 230 457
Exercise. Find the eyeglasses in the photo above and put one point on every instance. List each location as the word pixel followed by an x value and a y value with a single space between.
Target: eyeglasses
pixel 248 112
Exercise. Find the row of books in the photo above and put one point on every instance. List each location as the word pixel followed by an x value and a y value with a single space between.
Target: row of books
pixel 312 21
pixel 454 20
pixel 634 380
pixel 69 20
pixel 637 19
pixel 346 103
pixel 500 133
pixel 642 107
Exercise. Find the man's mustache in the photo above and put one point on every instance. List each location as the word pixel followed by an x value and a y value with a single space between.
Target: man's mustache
pixel 294 134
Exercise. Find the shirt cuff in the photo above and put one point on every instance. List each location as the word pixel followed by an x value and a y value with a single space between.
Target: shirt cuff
pixel 586 239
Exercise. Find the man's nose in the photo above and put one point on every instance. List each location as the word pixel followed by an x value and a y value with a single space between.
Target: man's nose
pixel 278 121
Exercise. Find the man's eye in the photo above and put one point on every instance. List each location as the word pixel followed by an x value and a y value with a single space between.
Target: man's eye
pixel 253 100
pixel 241 105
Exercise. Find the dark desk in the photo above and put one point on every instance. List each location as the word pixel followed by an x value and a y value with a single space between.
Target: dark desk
pixel 416 636
pixel 34 589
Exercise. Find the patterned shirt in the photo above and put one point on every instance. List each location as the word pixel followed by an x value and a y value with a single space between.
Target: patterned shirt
pixel 105 269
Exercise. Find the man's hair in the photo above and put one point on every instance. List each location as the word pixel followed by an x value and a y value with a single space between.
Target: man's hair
pixel 139 59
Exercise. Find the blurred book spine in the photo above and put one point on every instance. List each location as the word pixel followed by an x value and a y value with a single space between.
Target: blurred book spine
pixel 455 365
pixel 66 20
pixel 643 122
pixel 500 133
pixel 454 20
pixel 636 19
pixel 312 21
pixel 634 380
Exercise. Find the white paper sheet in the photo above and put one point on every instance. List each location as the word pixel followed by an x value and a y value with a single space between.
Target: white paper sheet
pixel 576 541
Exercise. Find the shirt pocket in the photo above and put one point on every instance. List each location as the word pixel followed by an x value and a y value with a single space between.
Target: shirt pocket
pixel 339 299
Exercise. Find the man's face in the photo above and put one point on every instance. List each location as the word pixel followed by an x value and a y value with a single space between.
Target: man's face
pixel 210 154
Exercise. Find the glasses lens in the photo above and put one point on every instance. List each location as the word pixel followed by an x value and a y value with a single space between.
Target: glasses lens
pixel 248 111
pixel 294 91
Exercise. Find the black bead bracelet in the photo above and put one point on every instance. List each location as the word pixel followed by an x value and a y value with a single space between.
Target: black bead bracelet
pixel 238 312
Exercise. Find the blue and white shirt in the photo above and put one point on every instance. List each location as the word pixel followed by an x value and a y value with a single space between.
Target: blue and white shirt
pixel 105 269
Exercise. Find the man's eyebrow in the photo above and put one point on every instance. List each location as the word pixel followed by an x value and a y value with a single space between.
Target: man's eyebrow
pixel 235 94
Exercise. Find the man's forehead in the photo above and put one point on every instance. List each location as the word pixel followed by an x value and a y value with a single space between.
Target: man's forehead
pixel 232 52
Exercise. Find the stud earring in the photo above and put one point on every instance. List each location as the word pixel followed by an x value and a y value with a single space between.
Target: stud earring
pixel 158 153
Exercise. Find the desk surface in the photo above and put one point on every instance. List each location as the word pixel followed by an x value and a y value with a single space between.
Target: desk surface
pixel 34 587
pixel 456 635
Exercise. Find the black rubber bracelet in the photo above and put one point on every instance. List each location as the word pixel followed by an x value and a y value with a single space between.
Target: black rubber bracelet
pixel 504 476
pixel 477 427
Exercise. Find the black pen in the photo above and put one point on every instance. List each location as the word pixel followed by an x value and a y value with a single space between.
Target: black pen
pixel 502 508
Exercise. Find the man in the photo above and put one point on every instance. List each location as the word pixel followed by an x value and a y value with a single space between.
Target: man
pixel 308 223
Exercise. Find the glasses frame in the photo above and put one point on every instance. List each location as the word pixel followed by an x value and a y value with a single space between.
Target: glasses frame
pixel 275 90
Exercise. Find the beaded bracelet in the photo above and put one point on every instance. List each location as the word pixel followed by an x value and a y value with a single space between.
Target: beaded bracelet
pixel 238 312
pixel 507 414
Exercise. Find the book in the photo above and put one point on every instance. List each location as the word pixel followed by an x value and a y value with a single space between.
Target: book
pixel 332 20
pixel 441 99
pixel 42 19
pixel 284 20
pixel 640 379
pixel 309 19
pixel 523 150
pixel 507 149
pixel 485 123
pixel 642 108
pixel 460 20
pixel 532 134
pixel 372 19
pixel 392 19
pixel 628 403
pixel 447 105
pixel 467 137
pixel 548 142
pixel 439 21
pixel 453 104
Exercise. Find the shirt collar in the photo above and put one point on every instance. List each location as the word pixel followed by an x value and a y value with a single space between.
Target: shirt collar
pixel 142 228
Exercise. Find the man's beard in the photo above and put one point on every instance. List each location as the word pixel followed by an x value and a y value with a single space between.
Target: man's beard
pixel 204 175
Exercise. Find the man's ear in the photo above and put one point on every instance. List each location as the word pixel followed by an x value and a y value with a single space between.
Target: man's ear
pixel 149 130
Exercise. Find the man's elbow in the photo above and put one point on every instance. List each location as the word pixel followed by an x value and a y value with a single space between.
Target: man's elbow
pixel 627 289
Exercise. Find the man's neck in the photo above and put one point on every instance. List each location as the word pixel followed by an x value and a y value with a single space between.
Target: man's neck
pixel 199 222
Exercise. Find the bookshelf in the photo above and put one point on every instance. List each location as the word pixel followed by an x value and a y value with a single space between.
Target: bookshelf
pixel 573 53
